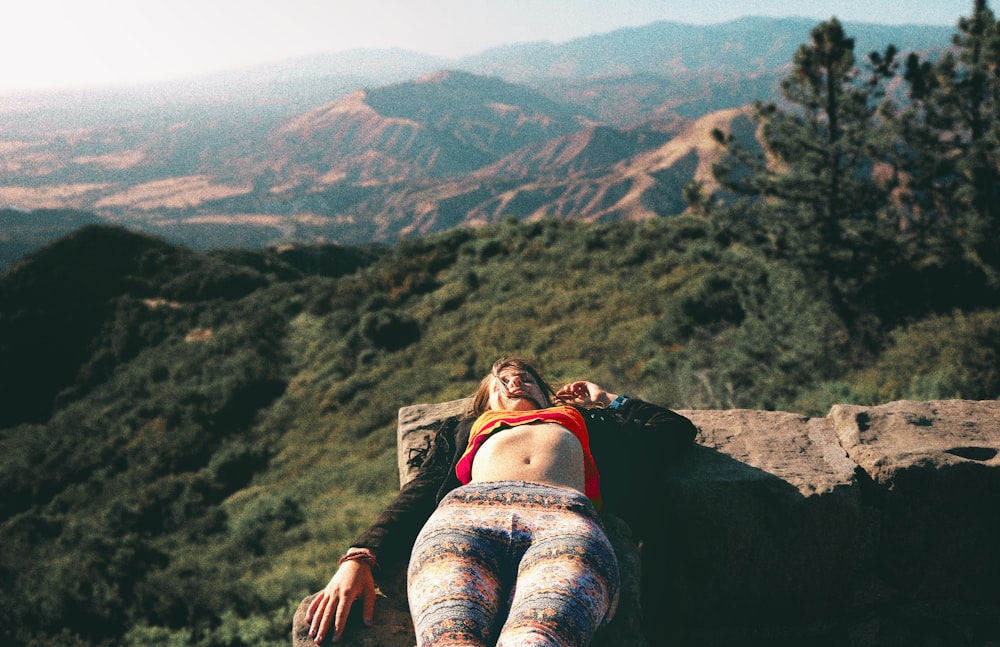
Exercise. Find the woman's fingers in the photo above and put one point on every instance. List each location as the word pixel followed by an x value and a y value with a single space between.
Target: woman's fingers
pixel 340 620
pixel 326 608
pixel 314 606
pixel 369 599
pixel 317 612
pixel 573 389
pixel 577 391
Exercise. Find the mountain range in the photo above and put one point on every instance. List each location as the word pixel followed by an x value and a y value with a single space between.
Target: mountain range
pixel 372 146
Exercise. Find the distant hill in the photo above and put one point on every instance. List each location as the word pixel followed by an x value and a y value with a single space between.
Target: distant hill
pixel 594 174
pixel 372 145
pixel 22 232
pixel 446 124
pixel 743 47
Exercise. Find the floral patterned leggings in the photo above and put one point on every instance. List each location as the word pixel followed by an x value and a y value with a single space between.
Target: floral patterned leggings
pixel 511 563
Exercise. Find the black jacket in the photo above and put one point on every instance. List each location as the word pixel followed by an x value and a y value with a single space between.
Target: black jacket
pixel 630 447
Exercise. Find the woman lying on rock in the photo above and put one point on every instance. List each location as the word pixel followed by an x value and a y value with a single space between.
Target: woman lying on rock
pixel 500 523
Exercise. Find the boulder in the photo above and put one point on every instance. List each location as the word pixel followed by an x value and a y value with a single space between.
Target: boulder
pixel 932 472
pixel 416 426
pixel 904 441
pixel 769 527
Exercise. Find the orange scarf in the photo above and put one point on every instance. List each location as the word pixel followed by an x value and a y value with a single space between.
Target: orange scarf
pixel 568 417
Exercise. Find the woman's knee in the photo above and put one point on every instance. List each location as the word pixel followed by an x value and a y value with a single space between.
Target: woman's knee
pixel 573 582
pixel 455 599
pixel 552 619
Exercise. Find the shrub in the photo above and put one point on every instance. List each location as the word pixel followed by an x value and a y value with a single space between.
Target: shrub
pixel 389 329
pixel 946 356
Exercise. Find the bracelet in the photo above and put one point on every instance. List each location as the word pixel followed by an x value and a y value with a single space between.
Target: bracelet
pixel 618 402
pixel 362 555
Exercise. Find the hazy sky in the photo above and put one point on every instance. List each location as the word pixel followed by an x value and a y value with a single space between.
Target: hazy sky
pixel 74 43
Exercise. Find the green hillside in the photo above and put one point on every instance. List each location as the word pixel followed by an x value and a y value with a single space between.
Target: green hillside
pixel 190 440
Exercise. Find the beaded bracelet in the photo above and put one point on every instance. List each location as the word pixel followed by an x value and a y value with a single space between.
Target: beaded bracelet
pixel 363 555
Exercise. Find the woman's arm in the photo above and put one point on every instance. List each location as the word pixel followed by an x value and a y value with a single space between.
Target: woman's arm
pixel 393 532
pixel 388 540
pixel 669 431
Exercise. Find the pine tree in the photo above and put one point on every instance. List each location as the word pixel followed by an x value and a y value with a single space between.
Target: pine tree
pixel 950 141
pixel 819 203
pixel 699 202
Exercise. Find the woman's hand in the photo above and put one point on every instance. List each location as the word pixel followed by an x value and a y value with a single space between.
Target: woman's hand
pixel 585 394
pixel 353 580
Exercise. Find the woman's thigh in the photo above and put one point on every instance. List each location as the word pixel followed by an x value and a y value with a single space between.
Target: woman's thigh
pixel 567 584
pixel 529 557
pixel 455 582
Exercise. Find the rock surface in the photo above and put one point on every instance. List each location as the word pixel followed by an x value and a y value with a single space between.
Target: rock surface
pixel 871 527
pixel 415 428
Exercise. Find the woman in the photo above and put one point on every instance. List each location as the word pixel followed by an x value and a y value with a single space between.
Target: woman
pixel 500 523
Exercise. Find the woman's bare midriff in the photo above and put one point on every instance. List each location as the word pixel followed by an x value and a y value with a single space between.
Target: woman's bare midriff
pixel 542 452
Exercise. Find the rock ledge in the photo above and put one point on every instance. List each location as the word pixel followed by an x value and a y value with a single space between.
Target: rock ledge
pixel 872 527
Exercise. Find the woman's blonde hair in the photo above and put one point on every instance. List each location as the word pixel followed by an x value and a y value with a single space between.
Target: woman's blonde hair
pixel 481 398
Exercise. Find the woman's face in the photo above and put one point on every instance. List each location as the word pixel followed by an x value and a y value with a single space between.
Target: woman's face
pixel 513 389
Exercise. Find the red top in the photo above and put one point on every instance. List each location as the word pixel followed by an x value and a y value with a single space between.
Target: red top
pixel 568 417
